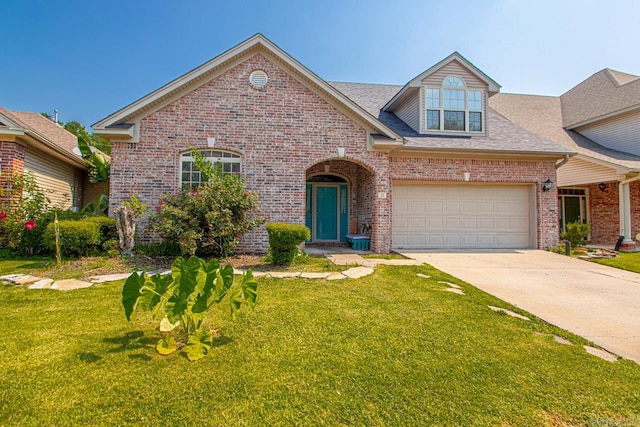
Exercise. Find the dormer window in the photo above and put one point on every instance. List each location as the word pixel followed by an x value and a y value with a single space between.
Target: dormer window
pixel 453 107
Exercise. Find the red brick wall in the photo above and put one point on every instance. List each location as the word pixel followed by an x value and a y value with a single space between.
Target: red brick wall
pixel 498 171
pixel 12 157
pixel 604 212
pixel 280 131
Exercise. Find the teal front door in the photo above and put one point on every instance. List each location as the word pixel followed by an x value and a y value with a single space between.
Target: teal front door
pixel 326 212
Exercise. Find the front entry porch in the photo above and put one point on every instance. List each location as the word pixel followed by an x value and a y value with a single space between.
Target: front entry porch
pixel 340 200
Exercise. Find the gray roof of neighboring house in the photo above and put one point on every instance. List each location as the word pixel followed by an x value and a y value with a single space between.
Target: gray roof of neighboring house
pixel 543 115
pixel 44 127
pixel 504 136
pixel 603 94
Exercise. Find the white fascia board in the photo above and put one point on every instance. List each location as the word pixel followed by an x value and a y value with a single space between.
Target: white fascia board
pixel 132 109
pixel 417 81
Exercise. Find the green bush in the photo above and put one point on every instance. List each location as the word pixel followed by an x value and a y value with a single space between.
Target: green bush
pixel 210 219
pixel 576 234
pixel 284 240
pixel 85 237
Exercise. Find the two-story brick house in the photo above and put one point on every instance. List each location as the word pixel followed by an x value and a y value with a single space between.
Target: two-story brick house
pixel 424 165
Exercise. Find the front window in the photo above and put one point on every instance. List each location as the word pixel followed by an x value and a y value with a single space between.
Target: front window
pixel 453 107
pixel 190 176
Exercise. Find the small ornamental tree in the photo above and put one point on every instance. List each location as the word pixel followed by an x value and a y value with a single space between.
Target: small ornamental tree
pixel 207 220
pixel 183 299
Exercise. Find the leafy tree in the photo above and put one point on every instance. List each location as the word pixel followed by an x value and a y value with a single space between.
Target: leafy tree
pixel 96 141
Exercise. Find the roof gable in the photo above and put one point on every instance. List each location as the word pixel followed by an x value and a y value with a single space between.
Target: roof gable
pixel 120 126
pixel 40 130
pixel 605 94
pixel 416 82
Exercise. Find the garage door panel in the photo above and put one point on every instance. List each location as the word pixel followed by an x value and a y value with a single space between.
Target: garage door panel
pixel 461 216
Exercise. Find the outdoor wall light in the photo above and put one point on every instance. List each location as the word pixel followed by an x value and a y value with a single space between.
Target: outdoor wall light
pixel 341 152
pixel 467 176
pixel 602 186
pixel 548 185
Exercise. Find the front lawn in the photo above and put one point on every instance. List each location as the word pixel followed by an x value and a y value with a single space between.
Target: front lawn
pixel 388 349
pixel 625 260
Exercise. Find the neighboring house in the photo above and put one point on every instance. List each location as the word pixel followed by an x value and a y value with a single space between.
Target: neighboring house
pixel 425 165
pixel 32 142
pixel 600 120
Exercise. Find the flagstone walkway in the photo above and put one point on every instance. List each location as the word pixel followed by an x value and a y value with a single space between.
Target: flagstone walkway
pixel 361 267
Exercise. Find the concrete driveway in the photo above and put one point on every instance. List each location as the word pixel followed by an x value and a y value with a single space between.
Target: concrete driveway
pixel 599 303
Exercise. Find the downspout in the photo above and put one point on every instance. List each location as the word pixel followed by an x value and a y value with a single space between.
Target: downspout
pixel 625 209
pixel 562 162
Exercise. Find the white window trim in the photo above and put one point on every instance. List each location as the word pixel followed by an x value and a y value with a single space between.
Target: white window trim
pixel 186 156
pixel 466 110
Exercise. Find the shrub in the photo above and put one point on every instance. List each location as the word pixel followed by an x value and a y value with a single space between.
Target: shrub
pixel 85 237
pixel 25 211
pixel 576 234
pixel 284 240
pixel 210 219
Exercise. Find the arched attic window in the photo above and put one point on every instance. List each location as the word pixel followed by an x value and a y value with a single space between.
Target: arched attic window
pixel 453 107
pixel 190 176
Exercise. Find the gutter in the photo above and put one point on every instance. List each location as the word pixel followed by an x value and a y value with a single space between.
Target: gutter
pixel 563 162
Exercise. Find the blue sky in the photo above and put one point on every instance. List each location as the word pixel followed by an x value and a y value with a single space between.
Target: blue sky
pixel 90 58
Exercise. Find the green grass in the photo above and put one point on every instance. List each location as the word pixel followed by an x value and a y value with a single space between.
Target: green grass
pixel 388 349
pixel 625 261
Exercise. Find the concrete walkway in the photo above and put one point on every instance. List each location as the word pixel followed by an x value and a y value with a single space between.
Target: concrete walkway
pixel 599 303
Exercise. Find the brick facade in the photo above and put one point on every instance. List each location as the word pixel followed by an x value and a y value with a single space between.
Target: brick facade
pixel 604 213
pixel 285 133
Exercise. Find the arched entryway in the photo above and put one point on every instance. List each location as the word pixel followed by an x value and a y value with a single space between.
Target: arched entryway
pixel 327 207
pixel 340 200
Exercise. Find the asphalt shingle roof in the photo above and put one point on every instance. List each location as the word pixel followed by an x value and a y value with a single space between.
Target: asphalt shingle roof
pixel 604 93
pixel 543 115
pixel 503 136
pixel 39 124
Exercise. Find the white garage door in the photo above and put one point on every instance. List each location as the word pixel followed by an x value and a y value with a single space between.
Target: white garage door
pixel 462 216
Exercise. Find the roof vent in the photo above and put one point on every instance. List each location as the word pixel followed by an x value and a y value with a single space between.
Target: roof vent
pixel 258 79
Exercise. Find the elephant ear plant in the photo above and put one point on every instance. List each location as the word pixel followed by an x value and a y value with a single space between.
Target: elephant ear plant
pixel 184 298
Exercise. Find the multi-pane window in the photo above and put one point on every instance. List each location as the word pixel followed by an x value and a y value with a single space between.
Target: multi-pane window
pixel 453 108
pixel 433 109
pixel 190 176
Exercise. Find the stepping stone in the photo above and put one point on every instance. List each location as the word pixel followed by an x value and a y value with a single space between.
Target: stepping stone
pixel 358 272
pixel 283 274
pixel 509 312
pixel 70 284
pixel 315 275
pixel 601 353
pixel 455 291
pixel 347 259
pixel 453 285
pixel 41 284
pixel 109 278
pixel 257 274
pixel 336 276
pixel 562 340
pixel 20 279
pixel 424 276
